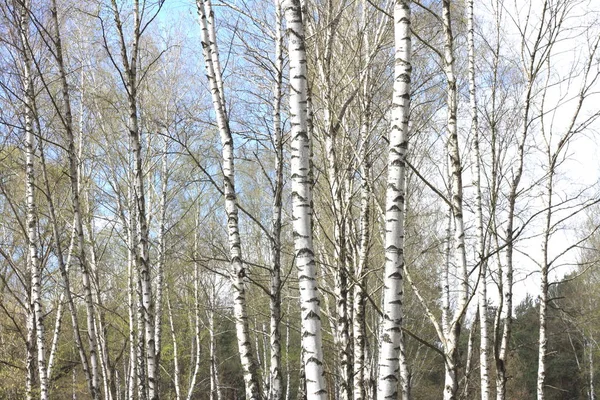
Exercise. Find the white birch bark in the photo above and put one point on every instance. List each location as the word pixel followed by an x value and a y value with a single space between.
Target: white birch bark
pixel 543 304
pixel 445 301
pixel 63 266
pixel 507 287
pixel 128 221
pixel 275 378
pixel 554 153
pixel 176 371
pixel 507 281
pixel 359 314
pixel 406 380
pixel 67 294
pixel 389 349
pixel 197 355
pixel 130 229
pixel 484 369
pixel 260 363
pixel 99 318
pixel 538 53
pixel 405 371
pixel 335 177
pixel 288 376
pixel 23 26
pixel 455 160
pixel 312 350
pixel 162 247
pixel 494 193
pixel 466 393
pixel 86 280
pixel 36 315
pixel 591 390
pixel 239 270
pixel 129 60
pixel 215 392
pixel 266 362
pixel 301 395
pixel 340 259
pixel 342 294
pixel 141 350
pixel 144 262
pixel 74 178
pixel 30 358
pixel 359 295
pixel 33 259
pixel 460 258
pixel 55 336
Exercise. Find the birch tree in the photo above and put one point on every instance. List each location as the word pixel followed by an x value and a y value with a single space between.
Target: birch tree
pixel 67 122
pixel 359 333
pixel 451 385
pixel 481 236
pixel 312 349
pixel 239 270
pixel 336 176
pixel 275 376
pixel 143 224
pixel 453 302
pixel 197 355
pixel 35 317
pixel 128 71
pixel 449 330
pixel 394 214
pixel 496 118
pixel 556 141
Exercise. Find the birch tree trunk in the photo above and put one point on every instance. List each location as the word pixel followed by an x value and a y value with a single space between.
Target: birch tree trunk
pixel 215 392
pixel 494 195
pixel 543 298
pixel 312 350
pixel 197 359
pixel 469 363
pixel 481 256
pixel 162 248
pixel 591 390
pixel 554 154
pixel 67 120
pixel 36 314
pixel 336 177
pixel 507 283
pixel 275 378
pixel 359 334
pixel 453 333
pixel 502 348
pixel 55 336
pixel 64 271
pixel 129 60
pixel 394 215
pixel 287 357
pixel 27 88
pixel 239 270
pixel 538 53
pixel 30 345
pixel 359 314
pixel 405 371
pixel 141 350
pixel 143 261
pixel 33 243
pixel 176 371
pixel 131 256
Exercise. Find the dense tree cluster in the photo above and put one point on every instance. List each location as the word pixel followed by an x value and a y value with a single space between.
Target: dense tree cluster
pixel 299 199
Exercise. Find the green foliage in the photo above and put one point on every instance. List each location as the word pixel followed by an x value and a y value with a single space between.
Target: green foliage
pixel 566 376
